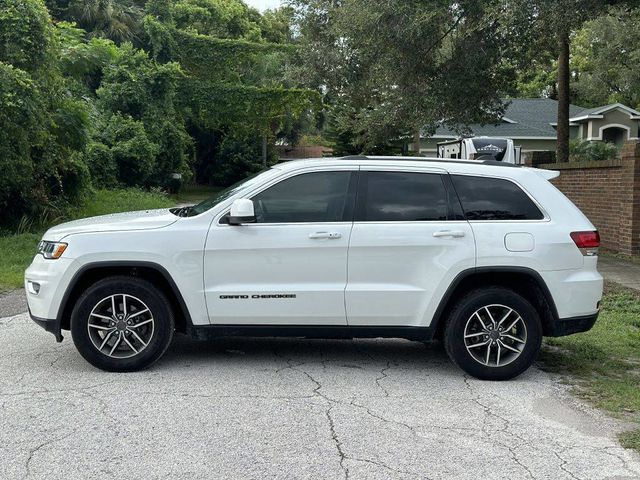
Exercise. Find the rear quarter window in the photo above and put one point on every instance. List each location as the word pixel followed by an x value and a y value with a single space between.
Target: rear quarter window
pixel 486 198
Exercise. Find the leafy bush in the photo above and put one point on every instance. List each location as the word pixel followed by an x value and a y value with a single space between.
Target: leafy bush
pixel 239 155
pixel 102 165
pixel 43 130
pixel 134 153
pixel 585 151
pixel 20 119
pixel 25 33
pixel 141 94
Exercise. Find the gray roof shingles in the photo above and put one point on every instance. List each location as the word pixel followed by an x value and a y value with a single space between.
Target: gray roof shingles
pixel 533 116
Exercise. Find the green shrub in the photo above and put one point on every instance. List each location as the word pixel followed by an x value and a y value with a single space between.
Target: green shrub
pixel 239 155
pixel 133 152
pixel 43 130
pixel 585 151
pixel 20 118
pixel 25 33
pixel 140 93
pixel 102 165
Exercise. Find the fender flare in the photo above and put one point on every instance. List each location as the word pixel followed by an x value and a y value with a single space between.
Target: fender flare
pixel 463 275
pixel 121 264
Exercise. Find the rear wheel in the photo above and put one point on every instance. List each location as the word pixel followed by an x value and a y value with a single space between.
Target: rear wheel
pixel 493 334
pixel 122 324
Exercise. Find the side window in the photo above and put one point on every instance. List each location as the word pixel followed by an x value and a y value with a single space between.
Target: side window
pixel 485 198
pixel 402 197
pixel 309 197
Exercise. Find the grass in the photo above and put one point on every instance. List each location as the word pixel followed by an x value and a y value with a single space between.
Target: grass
pixel 604 363
pixel 631 439
pixel 19 249
pixel 191 194
pixel 621 256
pixel 123 200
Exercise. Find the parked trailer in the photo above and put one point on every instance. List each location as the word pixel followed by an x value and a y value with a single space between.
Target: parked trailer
pixel 480 148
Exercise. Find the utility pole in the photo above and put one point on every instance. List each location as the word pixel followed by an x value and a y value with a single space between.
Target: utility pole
pixel 264 150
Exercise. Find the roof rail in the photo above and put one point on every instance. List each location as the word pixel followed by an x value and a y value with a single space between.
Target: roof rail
pixel 493 163
pixel 498 163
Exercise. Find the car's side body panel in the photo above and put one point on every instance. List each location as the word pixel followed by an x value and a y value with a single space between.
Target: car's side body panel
pixel 376 274
pixel 398 271
pixel 277 274
pixel 176 248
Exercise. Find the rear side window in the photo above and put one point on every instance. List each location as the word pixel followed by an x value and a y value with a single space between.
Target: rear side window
pixel 402 197
pixel 485 198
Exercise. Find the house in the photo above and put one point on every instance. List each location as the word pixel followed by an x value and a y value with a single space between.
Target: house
pixel 531 124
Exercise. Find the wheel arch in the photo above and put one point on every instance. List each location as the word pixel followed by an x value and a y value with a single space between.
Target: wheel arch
pixel 150 271
pixel 524 281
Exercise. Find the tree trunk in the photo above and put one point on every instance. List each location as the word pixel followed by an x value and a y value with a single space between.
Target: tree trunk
pixel 562 146
pixel 264 150
pixel 416 143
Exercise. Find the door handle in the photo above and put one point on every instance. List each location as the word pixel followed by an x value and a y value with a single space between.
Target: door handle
pixel 448 233
pixel 329 235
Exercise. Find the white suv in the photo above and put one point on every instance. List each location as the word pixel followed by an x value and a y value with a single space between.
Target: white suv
pixel 488 257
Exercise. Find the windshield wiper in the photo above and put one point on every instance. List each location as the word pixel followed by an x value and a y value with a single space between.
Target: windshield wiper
pixel 182 211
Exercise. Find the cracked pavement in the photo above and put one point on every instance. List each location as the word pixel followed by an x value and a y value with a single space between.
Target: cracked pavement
pixel 289 408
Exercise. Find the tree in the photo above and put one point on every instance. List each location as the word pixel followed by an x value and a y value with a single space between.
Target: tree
pixel 605 59
pixel 141 93
pixel 390 69
pixel 117 20
pixel 542 27
pixel 233 78
pixel 43 130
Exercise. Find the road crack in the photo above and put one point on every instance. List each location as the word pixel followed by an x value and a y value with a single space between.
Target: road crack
pixel 33 451
pixel 505 428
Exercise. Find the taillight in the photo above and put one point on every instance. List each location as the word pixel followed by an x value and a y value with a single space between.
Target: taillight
pixel 587 242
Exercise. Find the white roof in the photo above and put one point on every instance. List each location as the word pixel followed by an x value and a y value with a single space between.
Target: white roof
pixel 480 167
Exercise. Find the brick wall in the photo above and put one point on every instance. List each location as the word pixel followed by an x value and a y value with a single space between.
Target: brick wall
pixel 609 195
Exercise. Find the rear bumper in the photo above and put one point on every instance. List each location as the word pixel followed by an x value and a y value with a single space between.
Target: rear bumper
pixel 50 325
pixel 569 326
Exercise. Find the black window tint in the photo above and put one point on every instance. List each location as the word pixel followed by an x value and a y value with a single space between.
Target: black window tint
pixel 403 197
pixel 310 197
pixel 486 198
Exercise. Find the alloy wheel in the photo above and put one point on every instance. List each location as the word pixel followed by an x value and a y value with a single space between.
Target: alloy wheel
pixel 495 335
pixel 120 326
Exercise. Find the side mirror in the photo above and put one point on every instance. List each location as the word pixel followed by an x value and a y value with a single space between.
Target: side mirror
pixel 242 211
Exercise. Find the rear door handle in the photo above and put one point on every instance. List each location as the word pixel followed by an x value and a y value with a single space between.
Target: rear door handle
pixel 329 235
pixel 449 233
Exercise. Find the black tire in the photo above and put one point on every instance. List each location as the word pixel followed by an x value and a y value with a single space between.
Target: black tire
pixel 159 331
pixel 529 335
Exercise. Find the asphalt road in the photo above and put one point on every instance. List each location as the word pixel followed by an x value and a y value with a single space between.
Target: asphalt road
pixel 287 408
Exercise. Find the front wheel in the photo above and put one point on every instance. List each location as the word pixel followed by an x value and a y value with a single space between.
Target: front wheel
pixel 122 324
pixel 493 334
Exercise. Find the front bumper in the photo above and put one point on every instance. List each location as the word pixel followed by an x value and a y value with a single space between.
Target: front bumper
pixel 569 326
pixel 50 325
pixel 52 276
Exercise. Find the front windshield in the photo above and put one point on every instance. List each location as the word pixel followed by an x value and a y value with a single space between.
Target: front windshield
pixel 224 194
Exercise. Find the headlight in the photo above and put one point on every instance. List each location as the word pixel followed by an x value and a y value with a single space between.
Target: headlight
pixel 51 250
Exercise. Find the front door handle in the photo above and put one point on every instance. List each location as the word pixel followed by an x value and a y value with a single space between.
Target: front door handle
pixel 329 235
pixel 448 233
